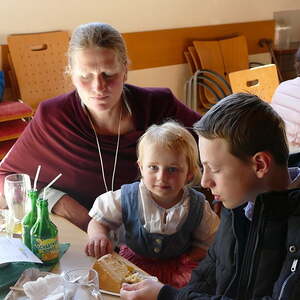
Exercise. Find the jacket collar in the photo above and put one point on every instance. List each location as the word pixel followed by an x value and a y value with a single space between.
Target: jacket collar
pixel 295 183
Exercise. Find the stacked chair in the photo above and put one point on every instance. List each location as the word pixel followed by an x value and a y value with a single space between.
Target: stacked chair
pixel 207 86
pixel 215 65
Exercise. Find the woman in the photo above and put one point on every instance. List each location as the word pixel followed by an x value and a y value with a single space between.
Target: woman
pixel 90 134
pixel 286 101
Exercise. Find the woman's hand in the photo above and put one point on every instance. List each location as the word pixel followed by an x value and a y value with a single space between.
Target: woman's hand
pixel 98 246
pixel 145 290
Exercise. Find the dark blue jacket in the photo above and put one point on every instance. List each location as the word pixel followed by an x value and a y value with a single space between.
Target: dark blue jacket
pixel 251 260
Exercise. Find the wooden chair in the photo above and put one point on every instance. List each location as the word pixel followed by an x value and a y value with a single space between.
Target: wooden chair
pixel 222 56
pixel 35 71
pixel 38 62
pixel 261 81
pixel 195 93
pixel 211 62
pixel 205 80
pixel 190 62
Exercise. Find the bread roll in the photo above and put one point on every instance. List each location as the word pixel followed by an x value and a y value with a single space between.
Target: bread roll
pixel 114 269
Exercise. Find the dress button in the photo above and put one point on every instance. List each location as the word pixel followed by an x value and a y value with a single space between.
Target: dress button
pixel 158 241
pixel 292 249
pixel 156 250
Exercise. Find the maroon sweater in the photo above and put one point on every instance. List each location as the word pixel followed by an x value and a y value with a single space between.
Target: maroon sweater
pixel 60 139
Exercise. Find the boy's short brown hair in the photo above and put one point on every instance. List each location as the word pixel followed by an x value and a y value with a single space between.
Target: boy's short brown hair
pixel 248 124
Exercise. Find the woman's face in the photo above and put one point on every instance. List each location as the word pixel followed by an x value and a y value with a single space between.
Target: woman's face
pixel 98 77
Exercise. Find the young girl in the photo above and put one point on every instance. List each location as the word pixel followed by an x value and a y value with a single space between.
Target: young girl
pixel 168 225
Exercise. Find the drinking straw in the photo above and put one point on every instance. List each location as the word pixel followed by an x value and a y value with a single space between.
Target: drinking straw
pixel 44 193
pixel 36 177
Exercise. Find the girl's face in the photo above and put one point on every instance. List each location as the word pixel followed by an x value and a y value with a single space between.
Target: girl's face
pixel 98 77
pixel 165 172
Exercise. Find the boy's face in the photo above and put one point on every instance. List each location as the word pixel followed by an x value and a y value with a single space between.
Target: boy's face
pixel 230 179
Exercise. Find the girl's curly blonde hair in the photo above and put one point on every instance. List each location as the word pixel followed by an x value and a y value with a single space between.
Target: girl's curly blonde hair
pixel 174 137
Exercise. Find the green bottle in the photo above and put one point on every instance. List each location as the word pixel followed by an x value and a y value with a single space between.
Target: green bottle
pixel 44 235
pixel 30 219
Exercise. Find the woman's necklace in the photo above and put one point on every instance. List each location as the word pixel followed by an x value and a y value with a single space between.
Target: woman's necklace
pixel 100 154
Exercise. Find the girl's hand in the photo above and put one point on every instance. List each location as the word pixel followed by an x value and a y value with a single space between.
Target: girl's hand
pixel 98 246
pixel 145 290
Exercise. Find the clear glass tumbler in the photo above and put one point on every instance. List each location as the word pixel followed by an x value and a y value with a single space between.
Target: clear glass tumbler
pixel 16 187
pixel 81 284
pixel 3 221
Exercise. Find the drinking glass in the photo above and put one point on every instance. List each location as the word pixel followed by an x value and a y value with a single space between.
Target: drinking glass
pixel 16 187
pixel 81 284
pixel 3 220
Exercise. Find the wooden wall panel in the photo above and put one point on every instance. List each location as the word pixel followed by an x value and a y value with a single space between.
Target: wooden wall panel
pixel 157 48
pixel 149 49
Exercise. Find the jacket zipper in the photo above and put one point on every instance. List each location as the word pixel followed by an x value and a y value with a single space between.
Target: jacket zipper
pixel 293 270
pixel 249 258
pixel 237 254
pixel 234 233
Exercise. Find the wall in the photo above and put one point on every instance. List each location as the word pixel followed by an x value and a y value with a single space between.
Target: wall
pixel 18 16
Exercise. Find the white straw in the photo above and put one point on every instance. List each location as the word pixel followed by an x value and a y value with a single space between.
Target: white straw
pixel 52 181
pixel 36 177
pixel 44 192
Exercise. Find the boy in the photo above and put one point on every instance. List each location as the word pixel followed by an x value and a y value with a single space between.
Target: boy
pixel 244 153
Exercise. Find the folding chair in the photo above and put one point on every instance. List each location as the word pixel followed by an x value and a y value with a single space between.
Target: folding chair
pixel 261 81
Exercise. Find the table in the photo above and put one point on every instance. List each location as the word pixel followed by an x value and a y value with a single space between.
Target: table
pixel 75 257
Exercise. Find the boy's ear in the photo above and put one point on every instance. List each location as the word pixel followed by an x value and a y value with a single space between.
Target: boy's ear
pixel 261 163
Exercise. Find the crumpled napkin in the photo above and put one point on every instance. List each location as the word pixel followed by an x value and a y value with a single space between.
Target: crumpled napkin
pixel 49 287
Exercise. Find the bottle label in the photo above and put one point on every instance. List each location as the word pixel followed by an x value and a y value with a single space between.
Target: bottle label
pixel 45 249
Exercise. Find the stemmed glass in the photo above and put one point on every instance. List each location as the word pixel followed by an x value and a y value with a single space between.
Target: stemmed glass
pixel 81 284
pixel 16 187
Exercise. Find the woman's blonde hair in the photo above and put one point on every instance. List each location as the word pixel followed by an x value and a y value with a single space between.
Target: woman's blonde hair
pixel 175 137
pixel 100 35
